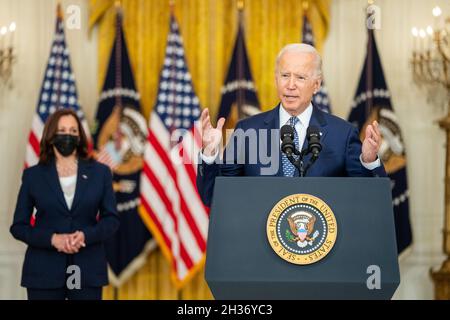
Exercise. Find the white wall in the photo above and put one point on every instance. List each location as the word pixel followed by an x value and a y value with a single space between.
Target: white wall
pixel 425 142
pixel 343 58
pixel 35 21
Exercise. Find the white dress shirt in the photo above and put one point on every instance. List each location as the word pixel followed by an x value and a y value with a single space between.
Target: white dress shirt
pixel 302 124
pixel 301 127
pixel 68 185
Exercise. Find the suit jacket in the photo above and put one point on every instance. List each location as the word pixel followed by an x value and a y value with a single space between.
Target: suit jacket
pixel 45 267
pixel 341 149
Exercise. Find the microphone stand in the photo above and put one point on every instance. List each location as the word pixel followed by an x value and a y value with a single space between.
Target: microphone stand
pixel 299 164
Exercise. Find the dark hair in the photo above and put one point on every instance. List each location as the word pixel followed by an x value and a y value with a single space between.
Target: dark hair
pixel 46 153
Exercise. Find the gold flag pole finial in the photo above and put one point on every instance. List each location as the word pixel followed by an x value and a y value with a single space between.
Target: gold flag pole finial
pixel 118 7
pixel 305 5
pixel 59 10
pixel 172 6
pixel 240 4
pixel 370 2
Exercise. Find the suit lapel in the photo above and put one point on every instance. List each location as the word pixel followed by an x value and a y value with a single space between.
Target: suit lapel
pixel 51 176
pixel 83 176
pixel 272 121
pixel 318 120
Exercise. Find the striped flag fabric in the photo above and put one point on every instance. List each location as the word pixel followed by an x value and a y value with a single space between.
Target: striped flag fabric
pixel 109 156
pixel 170 204
pixel 58 91
pixel 320 99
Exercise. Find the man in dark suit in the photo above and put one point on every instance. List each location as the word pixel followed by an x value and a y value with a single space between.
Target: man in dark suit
pixel 254 148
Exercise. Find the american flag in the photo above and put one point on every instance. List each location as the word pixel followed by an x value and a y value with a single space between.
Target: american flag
pixel 170 204
pixel 320 99
pixel 58 91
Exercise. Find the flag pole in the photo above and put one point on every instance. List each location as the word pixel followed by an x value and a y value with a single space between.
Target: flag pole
pixel 173 57
pixel 172 13
pixel 59 11
pixel 240 64
pixel 118 53
pixel 305 5
pixel 118 82
pixel 60 19
pixel 369 68
pixel 172 89
pixel 172 16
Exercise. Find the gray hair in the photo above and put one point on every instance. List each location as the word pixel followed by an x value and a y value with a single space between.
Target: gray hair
pixel 304 48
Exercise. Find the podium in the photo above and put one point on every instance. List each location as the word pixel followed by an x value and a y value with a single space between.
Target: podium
pixel 241 263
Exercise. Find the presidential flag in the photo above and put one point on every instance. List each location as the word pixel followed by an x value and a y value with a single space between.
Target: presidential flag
pixel 373 102
pixel 170 203
pixel 120 136
pixel 320 99
pixel 239 98
pixel 58 90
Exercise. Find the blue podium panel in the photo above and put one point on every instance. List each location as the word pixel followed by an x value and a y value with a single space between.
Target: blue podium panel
pixel 362 264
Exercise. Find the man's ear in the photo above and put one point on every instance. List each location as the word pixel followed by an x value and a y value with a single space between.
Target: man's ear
pixel 317 85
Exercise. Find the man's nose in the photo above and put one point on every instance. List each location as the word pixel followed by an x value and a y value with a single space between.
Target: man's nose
pixel 291 83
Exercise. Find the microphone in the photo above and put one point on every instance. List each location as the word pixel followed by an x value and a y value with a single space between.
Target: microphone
pixel 287 139
pixel 313 136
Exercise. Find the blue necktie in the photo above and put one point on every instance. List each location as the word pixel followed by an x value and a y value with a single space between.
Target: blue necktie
pixel 288 167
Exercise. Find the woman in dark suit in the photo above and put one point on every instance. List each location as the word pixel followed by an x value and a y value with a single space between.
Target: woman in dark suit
pixel 75 212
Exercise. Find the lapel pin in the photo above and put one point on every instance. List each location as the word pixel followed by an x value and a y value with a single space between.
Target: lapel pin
pixel 84 176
